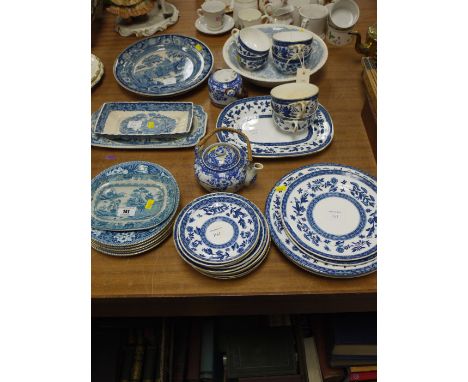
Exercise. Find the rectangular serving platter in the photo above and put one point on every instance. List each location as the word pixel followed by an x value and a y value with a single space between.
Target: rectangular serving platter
pixel 144 118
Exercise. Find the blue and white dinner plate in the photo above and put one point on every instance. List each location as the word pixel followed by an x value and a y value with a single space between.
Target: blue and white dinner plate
pixel 295 253
pixel 189 139
pixel 253 117
pixel 163 65
pixel 332 213
pixel 269 76
pixel 218 229
pixel 132 196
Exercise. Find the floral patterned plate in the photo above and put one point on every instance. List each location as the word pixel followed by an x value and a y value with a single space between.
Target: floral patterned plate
pixel 144 118
pixel 132 196
pixel 309 261
pixel 163 65
pixel 218 229
pixel 332 213
pixel 253 117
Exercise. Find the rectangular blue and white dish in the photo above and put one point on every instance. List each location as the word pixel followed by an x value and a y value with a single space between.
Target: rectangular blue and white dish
pixel 144 118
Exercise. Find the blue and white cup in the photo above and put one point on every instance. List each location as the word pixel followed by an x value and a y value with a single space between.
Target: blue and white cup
pixel 251 42
pixel 252 63
pixel 289 66
pixel 224 87
pixel 293 105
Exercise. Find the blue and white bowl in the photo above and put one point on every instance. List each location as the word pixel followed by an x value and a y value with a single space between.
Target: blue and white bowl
pixel 292 45
pixel 224 87
pixel 252 42
pixel 252 63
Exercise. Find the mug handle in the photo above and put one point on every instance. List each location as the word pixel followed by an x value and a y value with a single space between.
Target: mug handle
pixel 302 106
pixel 265 19
pixel 200 12
pixel 304 22
pixel 234 31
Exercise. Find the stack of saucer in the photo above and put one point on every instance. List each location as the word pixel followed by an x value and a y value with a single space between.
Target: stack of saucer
pixel 323 218
pixel 133 205
pixel 222 235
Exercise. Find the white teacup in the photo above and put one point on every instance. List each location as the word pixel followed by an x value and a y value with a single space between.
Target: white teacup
pixel 344 14
pixel 314 18
pixel 249 17
pixel 213 12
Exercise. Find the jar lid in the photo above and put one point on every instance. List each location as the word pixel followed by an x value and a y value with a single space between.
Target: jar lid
pixel 221 156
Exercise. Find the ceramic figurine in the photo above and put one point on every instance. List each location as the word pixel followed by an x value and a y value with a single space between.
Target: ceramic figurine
pixel 225 166
pixel 128 9
pixel 225 86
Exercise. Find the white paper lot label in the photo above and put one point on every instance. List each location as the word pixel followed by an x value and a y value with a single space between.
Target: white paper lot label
pixel 126 211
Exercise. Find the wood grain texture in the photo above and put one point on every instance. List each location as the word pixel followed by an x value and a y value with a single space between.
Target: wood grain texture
pixel 160 274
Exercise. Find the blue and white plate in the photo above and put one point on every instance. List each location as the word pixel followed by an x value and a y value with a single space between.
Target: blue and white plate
pixel 144 118
pixel 218 229
pixel 163 65
pixel 190 139
pixel 132 196
pixel 332 213
pixel 269 76
pixel 253 117
pixel 291 250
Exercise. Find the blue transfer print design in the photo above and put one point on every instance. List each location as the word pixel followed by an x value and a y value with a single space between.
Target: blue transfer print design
pixel 221 157
pixel 189 139
pixel 223 93
pixel 244 50
pixel 192 218
pixel 292 108
pixel 292 51
pixel 252 63
pixel 319 136
pixel 106 198
pixel 163 65
pixel 323 183
pixel 294 253
pixel 162 124
pixel 270 72
pixel 213 220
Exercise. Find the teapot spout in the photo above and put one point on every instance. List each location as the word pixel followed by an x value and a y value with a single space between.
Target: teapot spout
pixel 360 47
pixel 251 174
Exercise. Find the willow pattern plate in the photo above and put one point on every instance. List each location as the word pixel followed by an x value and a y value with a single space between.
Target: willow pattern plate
pixel 253 117
pixel 132 196
pixel 290 249
pixel 189 139
pixel 163 65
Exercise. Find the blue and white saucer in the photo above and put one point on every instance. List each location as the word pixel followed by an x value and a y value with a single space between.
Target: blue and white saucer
pixel 218 229
pixel 304 259
pixel 132 196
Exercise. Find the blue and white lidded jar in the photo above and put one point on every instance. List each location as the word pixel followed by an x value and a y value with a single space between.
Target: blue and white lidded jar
pixel 225 87
pixel 224 166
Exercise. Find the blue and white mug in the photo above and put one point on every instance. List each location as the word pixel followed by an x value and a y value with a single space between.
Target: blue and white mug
pixel 295 103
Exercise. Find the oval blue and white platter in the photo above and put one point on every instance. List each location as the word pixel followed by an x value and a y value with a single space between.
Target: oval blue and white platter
pixel 132 196
pixel 163 65
pixel 253 117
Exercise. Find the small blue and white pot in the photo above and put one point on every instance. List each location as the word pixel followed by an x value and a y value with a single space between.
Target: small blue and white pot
pixel 225 87
pixel 251 63
pixel 294 101
pixel 223 166
pixel 251 42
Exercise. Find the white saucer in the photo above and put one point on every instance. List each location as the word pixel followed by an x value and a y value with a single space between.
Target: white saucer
pixel 228 24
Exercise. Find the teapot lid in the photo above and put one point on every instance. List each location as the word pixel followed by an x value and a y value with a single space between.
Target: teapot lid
pixel 221 156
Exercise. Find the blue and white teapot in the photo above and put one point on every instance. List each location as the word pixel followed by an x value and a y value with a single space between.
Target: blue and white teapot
pixel 224 166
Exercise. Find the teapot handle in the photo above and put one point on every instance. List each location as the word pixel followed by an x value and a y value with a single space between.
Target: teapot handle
pixel 243 136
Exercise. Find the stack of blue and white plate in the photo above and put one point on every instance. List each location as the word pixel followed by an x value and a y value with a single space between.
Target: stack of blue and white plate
pixel 323 218
pixel 222 235
pixel 133 205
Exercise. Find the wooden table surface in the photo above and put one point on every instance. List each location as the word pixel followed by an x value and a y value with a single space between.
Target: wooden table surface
pixel 159 282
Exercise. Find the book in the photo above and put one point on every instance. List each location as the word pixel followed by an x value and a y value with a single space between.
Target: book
pixel 127 362
pixel 137 366
pixel 319 331
pixel 351 360
pixel 299 327
pixel 149 363
pixel 363 376
pixel 207 351
pixel 354 335
pixel 357 369
pixel 314 373
pixel 181 335
pixel 261 352
pixel 281 378
pixel 194 351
